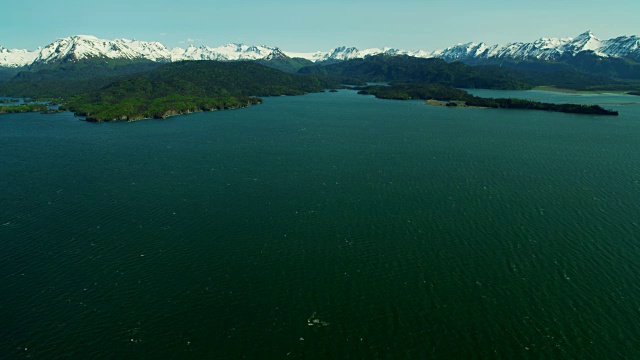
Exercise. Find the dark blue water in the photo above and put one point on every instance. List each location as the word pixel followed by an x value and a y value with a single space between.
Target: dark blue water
pixel 323 226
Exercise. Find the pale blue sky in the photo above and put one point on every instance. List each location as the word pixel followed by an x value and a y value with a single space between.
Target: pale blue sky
pixel 317 25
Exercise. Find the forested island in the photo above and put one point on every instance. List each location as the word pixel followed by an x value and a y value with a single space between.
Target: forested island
pixel 190 86
pixel 23 108
pixel 454 96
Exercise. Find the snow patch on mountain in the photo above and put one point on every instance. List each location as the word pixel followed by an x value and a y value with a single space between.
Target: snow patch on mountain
pixel 16 58
pixel 544 49
pixel 229 52
pixel 87 46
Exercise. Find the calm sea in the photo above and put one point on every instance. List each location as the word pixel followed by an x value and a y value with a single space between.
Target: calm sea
pixel 323 226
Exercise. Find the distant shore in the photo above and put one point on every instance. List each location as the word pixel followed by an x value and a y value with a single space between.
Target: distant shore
pixel 571 91
pixel 459 104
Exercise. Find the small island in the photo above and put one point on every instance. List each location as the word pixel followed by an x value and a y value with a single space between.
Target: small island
pixel 24 108
pixel 160 108
pixel 451 97
pixel 8 101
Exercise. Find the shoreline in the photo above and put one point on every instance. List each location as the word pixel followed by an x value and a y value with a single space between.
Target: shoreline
pixel 460 104
pixel 168 114
pixel 571 91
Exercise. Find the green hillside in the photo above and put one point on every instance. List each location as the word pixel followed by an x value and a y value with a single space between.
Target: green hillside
pixel 189 86
pixel 402 69
pixel 62 80
pixel 286 64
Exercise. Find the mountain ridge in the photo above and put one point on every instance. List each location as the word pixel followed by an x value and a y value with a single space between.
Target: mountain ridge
pixel 79 47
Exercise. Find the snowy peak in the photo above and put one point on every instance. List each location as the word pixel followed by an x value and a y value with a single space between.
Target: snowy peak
pixel 344 53
pixel 86 46
pixel 544 49
pixel 347 53
pixel 276 54
pixel 16 58
pixel 583 42
pixel 622 46
pixel 229 52
pixel 79 47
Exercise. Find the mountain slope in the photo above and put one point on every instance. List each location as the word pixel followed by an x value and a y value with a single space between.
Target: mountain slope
pixel 386 68
pixel 71 78
pixel 278 60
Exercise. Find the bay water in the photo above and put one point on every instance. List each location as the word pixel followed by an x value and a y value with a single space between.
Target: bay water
pixel 329 225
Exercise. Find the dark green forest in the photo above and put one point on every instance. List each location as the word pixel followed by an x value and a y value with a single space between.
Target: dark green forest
pixel 448 93
pixel 405 69
pixel 285 63
pixel 585 71
pixel 71 78
pixel 23 108
pixel 583 62
pixel 190 86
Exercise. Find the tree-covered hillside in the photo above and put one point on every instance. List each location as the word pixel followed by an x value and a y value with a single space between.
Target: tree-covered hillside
pixel 585 71
pixel 584 62
pixel 285 63
pixel 71 78
pixel 189 86
pixel 389 68
pixel 7 74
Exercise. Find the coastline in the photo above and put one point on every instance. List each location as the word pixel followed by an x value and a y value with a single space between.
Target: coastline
pixel 460 104
pixel 571 91
pixel 146 114
pixel 167 114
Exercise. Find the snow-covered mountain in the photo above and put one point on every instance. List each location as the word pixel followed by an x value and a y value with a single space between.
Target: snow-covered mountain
pixel 86 46
pixel 227 52
pixel 16 58
pixel 347 53
pixel 544 49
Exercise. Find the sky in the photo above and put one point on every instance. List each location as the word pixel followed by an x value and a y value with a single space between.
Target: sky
pixel 306 26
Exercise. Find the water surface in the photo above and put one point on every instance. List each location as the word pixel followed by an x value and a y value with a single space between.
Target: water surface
pixel 323 226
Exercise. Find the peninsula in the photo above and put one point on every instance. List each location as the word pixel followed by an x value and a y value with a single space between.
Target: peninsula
pixel 456 96
pixel 23 108
pixel 190 86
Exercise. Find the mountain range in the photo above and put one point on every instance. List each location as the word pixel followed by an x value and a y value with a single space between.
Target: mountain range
pixel 546 49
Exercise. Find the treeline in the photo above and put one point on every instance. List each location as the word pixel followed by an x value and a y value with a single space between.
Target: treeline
pixel 415 92
pixel 534 105
pixel 130 109
pixel 584 71
pixel 407 69
pixel 285 63
pixel 447 93
pixel 189 86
